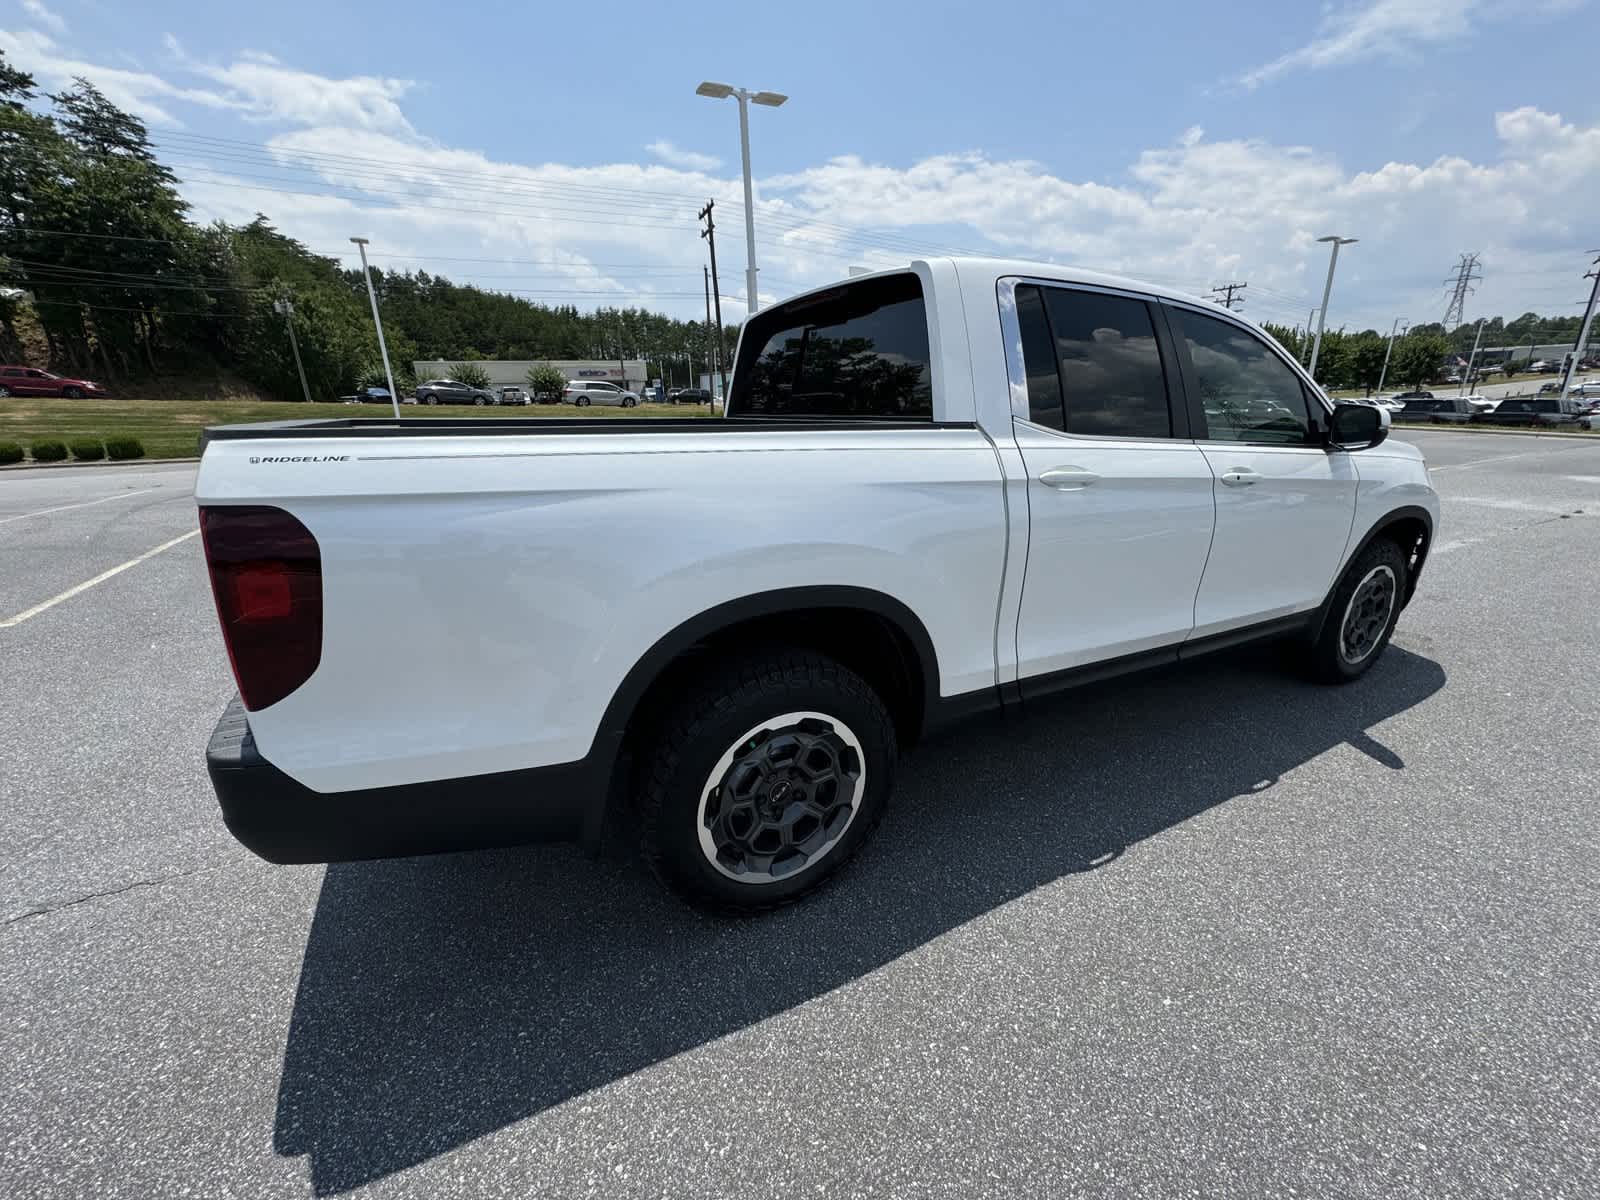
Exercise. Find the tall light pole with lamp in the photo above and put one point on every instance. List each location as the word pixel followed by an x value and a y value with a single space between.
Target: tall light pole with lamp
pixel 1327 290
pixel 1384 374
pixel 721 91
pixel 383 349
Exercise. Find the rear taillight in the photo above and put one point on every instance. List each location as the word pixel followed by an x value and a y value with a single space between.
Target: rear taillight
pixel 266 575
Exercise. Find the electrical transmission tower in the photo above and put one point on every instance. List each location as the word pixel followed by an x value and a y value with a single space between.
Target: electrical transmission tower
pixel 1228 289
pixel 1467 273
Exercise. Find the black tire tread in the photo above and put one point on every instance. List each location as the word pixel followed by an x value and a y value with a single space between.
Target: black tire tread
pixel 1323 662
pixel 718 692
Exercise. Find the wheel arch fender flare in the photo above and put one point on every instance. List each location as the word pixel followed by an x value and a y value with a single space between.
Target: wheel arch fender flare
pixel 1385 524
pixel 668 648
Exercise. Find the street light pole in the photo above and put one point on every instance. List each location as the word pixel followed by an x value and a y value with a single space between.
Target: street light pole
pixel 721 91
pixel 383 348
pixel 1384 374
pixel 285 306
pixel 1583 331
pixel 1327 290
pixel 1466 376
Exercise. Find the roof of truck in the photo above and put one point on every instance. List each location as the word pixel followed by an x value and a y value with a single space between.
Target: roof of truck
pixel 973 266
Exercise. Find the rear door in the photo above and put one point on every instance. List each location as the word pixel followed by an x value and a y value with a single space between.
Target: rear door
pixel 1119 499
pixel 1285 502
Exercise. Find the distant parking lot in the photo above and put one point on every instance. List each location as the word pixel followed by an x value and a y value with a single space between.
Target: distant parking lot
pixel 1213 931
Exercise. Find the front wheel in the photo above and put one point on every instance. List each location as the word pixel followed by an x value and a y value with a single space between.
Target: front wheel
pixel 628 402
pixel 769 774
pixel 430 399
pixel 72 393
pixel 4 391
pixel 1362 615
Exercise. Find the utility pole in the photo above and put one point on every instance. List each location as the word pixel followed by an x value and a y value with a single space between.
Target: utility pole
pixel 713 358
pixel 1384 374
pixel 1583 330
pixel 710 234
pixel 285 306
pixel 1467 274
pixel 1229 289
pixel 1466 376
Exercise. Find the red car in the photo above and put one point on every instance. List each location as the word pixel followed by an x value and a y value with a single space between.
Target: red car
pixel 30 381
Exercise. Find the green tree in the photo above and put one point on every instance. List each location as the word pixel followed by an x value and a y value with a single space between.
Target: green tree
pixel 1418 357
pixel 471 374
pixel 1366 359
pixel 545 380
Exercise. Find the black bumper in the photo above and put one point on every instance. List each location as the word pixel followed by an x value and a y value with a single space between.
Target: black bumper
pixel 286 822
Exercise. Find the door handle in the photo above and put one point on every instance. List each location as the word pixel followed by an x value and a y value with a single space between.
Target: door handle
pixel 1068 479
pixel 1239 477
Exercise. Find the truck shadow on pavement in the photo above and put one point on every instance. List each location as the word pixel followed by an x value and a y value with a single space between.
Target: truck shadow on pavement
pixel 444 998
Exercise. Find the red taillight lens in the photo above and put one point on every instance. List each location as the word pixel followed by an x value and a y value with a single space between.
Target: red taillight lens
pixel 266 575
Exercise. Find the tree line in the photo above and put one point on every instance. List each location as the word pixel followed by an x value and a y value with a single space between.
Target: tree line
pixel 125 286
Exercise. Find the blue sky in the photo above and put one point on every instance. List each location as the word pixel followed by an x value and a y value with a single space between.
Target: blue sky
pixel 1189 144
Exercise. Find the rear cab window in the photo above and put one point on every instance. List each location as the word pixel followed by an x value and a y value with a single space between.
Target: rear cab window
pixel 860 350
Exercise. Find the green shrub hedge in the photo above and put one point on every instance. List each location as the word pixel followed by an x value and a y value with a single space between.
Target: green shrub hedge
pixel 10 452
pixel 120 447
pixel 48 450
pixel 88 450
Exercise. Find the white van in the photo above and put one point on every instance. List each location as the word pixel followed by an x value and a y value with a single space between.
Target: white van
pixel 584 392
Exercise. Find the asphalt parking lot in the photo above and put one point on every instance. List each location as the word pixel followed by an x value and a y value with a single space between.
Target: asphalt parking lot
pixel 1214 931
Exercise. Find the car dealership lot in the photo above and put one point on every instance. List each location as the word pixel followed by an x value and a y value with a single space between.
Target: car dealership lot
pixel 1210 931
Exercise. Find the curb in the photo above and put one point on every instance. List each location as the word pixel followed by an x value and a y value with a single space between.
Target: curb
pixel 126 462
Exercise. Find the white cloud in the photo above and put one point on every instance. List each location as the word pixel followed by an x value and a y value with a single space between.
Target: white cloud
pixel 43 16
pixel 1366 29
pixel 689 160
pixel 145 95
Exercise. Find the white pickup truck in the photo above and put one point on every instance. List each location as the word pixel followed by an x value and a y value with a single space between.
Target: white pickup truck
pixel 945 489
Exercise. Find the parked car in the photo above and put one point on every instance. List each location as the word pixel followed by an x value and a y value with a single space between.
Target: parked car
pixel 1442 410
pixel 902 538
pixel 1479 403
pixel 1585 390
pixel 1531 410
pixel 450 391
pixel 1413 395
pixel 30 381
pixel 584 392
pixel 692 396
pixel 368 395
pixel 512 395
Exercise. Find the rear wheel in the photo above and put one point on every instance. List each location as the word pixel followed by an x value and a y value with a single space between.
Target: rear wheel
pixel 582 402
pixel 4 391
pixel 1362 616
pixel 769 774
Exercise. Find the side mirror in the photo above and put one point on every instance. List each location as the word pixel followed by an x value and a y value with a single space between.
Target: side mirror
pixel 1357 426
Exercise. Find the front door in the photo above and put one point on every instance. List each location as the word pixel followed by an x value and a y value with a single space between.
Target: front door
pixel 1119 501
pixel 1285 502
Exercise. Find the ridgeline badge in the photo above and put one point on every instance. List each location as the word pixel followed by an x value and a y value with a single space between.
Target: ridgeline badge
pixel 305 458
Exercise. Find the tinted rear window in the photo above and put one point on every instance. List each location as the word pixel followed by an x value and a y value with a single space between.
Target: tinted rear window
pixel 859 350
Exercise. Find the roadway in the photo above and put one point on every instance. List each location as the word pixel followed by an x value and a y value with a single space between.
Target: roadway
pixel 1214 931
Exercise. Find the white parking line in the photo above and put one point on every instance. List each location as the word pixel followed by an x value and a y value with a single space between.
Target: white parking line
pixel 1479 462
pixel 84 504
pixel 89 583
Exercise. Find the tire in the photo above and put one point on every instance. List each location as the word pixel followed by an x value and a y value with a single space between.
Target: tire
pixel 72 393
pixel 430 398
pixel 582 402
pixel 479 401
pixel 1362 614
pixel 4 391
pixel 767 714
pixel 628 403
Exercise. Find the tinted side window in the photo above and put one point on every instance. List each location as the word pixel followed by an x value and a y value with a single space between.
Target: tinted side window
pixel 1105 352
pixel 859 350
pixel 1249 394
pixel 1039 361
